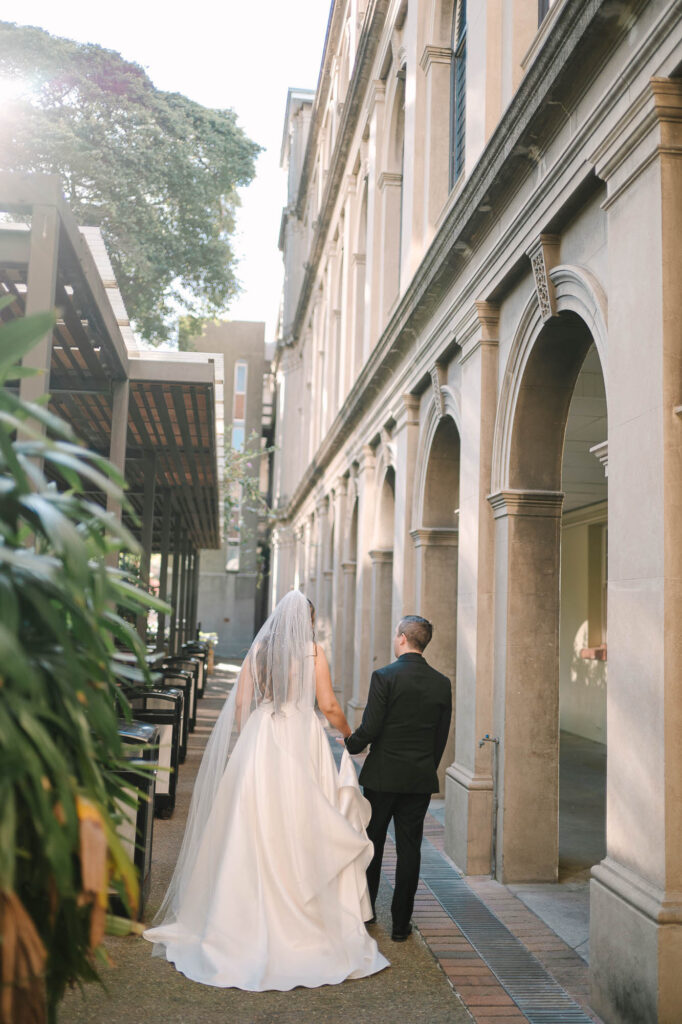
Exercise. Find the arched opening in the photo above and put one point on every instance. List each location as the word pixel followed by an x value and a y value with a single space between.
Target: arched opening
pixel 381 555
pixel 582 628
pixel 550 573
pixel 436 544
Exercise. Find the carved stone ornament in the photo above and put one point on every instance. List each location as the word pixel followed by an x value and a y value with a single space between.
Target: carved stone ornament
pixel 437 382
pixel 542 257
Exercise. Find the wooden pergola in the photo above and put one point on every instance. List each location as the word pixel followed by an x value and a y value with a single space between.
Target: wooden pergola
pixel 153 414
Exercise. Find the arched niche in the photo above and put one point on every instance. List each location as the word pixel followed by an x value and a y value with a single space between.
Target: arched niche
pixel 435 538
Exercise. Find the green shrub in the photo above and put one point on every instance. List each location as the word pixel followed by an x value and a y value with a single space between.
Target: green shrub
pixel 61 614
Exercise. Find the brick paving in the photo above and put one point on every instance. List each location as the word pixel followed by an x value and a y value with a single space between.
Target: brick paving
pixel 486 999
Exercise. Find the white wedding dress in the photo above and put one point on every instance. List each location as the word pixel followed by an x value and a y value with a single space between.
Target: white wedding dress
pixel 271 893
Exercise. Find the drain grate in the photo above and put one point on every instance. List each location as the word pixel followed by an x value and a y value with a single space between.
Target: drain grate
pixel 535 992
pixel 539 997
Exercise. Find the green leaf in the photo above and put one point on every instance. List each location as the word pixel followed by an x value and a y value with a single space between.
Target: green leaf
pixel 19 337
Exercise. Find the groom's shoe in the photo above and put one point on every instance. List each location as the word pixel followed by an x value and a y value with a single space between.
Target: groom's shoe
pixel 372 920
pixel 403 935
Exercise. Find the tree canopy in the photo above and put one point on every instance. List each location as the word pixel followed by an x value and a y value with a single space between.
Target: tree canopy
pixel 157 172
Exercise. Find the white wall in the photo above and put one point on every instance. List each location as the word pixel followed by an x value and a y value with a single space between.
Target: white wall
pixel 582 683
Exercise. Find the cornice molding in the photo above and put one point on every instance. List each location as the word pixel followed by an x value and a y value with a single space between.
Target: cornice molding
pixel 389 179
pixel 651 125
pixel 487 183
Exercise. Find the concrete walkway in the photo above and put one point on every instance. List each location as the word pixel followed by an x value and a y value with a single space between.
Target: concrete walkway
pixel 142 990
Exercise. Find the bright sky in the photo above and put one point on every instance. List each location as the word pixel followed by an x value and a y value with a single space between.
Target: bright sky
pixel 242 54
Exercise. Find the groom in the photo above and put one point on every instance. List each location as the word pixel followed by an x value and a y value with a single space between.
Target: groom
pixel 406 719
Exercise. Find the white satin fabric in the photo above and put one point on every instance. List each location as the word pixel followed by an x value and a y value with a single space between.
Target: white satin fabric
pixel 277 894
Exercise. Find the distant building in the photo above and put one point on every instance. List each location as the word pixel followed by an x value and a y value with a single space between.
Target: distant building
pixel 479 419
pixel 234 580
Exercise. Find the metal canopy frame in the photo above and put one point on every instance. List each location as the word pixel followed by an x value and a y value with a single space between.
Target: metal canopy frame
pixel 152 414
pixel 171 419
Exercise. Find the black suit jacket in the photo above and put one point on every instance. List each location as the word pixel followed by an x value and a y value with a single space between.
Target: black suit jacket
pixel 406 719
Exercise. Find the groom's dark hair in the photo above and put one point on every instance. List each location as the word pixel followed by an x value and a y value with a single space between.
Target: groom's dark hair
pixel 418 631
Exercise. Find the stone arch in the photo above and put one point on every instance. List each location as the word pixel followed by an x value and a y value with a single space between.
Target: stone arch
pixel 435 536
pixel 578 294
pixel 527 499
pixel 432 420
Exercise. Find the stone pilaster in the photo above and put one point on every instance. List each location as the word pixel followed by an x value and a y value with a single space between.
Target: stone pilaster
pixel 469 779
pixel 436 550
pixel 526 682
pixel 339 498
pixel 636 897
pixel 363 590
pixel 406 437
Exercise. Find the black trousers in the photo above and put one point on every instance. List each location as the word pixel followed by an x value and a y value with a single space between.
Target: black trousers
pixel 408 811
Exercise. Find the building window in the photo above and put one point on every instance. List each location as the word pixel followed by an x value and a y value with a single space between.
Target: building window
pixel 239 407
pixel 543 9
pixel 458 91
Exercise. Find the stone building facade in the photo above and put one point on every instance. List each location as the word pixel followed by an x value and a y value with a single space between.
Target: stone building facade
pixel 479 418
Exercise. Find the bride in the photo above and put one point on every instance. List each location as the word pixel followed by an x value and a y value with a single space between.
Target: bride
pixel 269 890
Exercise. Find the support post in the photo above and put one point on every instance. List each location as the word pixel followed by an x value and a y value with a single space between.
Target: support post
pixel 163 572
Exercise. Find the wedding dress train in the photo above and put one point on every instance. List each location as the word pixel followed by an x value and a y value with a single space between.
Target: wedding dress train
pixel 276 894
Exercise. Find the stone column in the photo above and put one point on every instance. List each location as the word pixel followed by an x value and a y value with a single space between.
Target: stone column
pixel 321 598
pixel 362 668
pixel 435 63
pixel 390 189
pixel 347 636
pixel 382 580
pixel 338 627
pixel 406 436
pixel 372 318
pixel 354 351
pixel 526 683
pixel 436 600
pixel 636 894
pixel 469 780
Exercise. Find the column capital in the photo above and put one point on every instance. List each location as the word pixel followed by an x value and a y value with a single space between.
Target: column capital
pixel 389 179
pixel 381 555
pixel 376 94
pixel 349 568
pixel 366 459
pixel 435 536
pixel 341 485
pixel 650 127
pixel 322 505
pixel 406 414
pixel 513 502
pixel 481 327
pixel 435 55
